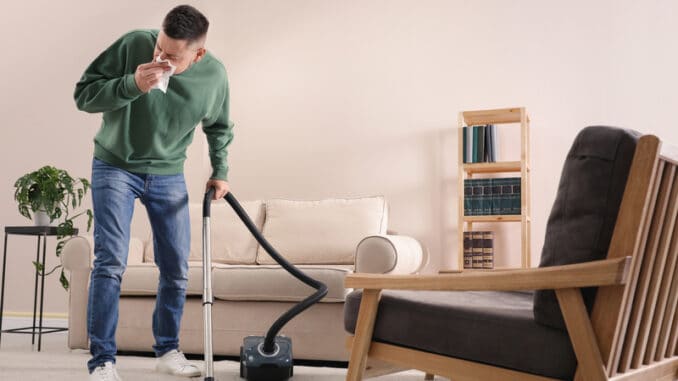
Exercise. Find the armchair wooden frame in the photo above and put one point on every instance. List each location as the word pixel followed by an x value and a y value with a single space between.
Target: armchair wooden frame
pixel 632 332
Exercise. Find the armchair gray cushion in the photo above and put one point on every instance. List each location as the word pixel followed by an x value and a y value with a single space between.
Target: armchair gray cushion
pixel 583 216
pixel 496 328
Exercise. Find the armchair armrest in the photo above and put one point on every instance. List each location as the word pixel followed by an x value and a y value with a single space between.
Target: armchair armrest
pixel 596 273
pixel 389 254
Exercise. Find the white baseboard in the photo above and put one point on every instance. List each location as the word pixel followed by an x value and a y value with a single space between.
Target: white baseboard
pixel 46 315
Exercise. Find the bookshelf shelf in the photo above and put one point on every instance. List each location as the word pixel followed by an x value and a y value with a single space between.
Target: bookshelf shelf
pixel 506 166
pixel 516 116
pixel 497 218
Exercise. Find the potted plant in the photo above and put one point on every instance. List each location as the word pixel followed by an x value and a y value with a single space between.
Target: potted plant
pixel 51 194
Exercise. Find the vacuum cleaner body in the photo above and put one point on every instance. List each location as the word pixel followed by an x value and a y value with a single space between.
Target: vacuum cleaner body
pixel 257 365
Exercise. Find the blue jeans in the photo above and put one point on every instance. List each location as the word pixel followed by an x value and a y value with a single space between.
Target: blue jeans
pixel 114 191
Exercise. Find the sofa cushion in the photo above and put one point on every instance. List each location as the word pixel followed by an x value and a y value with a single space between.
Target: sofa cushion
pixel 231 242
pixel 273 283
pixel 321 232
pixel 585 211
pixel 142 279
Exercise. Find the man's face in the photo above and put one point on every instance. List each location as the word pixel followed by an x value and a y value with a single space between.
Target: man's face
pixel 180 53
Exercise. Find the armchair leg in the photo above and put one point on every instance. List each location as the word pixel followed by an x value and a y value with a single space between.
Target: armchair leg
pixel 363 334
pixel 582 336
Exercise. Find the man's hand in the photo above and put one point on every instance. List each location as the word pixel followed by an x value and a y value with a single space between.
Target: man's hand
pixel 220 187
pixel 148 74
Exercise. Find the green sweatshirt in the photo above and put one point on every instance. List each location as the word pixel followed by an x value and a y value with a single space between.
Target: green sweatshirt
pixel 149 133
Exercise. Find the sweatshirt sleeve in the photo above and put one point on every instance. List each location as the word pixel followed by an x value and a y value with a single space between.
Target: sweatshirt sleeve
pixel 219 131
pixel 106 85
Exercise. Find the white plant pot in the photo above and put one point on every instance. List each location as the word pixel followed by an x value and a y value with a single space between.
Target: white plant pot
pixel 41 218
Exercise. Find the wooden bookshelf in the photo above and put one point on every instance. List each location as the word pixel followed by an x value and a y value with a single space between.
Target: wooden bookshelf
pixel 515 118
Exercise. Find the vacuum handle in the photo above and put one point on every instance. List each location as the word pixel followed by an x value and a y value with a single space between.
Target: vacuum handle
pixel 207 202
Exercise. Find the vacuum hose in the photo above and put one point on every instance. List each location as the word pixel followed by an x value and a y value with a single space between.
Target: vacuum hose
pixel 269 342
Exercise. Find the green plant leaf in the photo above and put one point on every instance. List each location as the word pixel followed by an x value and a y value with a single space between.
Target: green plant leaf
pixel 39 267
pixel 90 218
pixel 64 280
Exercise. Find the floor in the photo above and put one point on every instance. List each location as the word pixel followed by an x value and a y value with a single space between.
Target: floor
pixel 19 360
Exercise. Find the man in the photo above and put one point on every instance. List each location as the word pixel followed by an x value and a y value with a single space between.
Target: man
pixel 139 152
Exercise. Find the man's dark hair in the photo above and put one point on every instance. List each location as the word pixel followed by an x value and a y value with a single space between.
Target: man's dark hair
pixel 185 23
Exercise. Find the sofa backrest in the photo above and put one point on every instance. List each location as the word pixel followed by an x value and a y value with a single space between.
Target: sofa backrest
pixel 321 232
pixel 304 232
pixel 231 242
pixel 584 214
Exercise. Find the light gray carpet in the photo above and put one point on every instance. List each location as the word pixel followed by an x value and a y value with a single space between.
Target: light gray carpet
pixel 19 360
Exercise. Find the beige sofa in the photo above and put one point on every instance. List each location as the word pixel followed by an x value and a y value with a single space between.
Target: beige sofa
pixel 327 239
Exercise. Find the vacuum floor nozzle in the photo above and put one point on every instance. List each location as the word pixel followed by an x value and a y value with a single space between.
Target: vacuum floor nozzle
pixel 258 365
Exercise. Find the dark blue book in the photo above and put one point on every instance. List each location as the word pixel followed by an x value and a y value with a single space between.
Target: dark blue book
pixel 463 144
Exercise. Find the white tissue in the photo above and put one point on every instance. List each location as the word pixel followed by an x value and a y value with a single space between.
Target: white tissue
pixel 164 80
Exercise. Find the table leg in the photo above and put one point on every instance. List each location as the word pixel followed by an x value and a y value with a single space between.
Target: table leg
pixel 2 293
pixel 35 292
pixel 42 288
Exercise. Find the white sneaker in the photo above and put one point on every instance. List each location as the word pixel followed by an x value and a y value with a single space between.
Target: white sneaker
pixel 105 372
pixel 174 362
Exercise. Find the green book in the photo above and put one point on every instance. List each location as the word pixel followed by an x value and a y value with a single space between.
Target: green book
pixel 496 196
pixel 468 194
pixel 506 196
pixel 476 200
pixel 515 195
pixel 486 200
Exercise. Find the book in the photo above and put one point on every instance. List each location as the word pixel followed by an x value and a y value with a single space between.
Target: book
pixel 463 144
pixel 486 198
pixel 506 197
pixel 469 144
pixel 488 250
pixel 476 198
pixel 474 144
pixel 481 144
pixel 477 249
pixel 468 195
pixel 468 250
pixel 494 143
pixel 496 196
pixel 488 144
pixel 515 195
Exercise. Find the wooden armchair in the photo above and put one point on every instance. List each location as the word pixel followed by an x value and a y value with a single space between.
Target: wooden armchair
pixel 617 296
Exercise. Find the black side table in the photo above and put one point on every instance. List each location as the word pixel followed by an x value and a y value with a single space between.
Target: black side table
pixel 41 232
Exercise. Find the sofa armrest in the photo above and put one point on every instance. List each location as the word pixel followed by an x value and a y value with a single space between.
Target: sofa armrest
pixel 76 258
pixel 389 254
pixel 77 253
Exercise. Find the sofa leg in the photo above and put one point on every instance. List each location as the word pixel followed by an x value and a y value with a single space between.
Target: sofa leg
pixel 363 334
pixel 429 376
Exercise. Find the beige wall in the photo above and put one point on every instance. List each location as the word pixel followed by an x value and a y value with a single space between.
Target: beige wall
pixel 346 98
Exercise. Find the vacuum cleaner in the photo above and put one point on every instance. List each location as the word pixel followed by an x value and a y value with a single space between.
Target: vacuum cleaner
pixel 262 358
